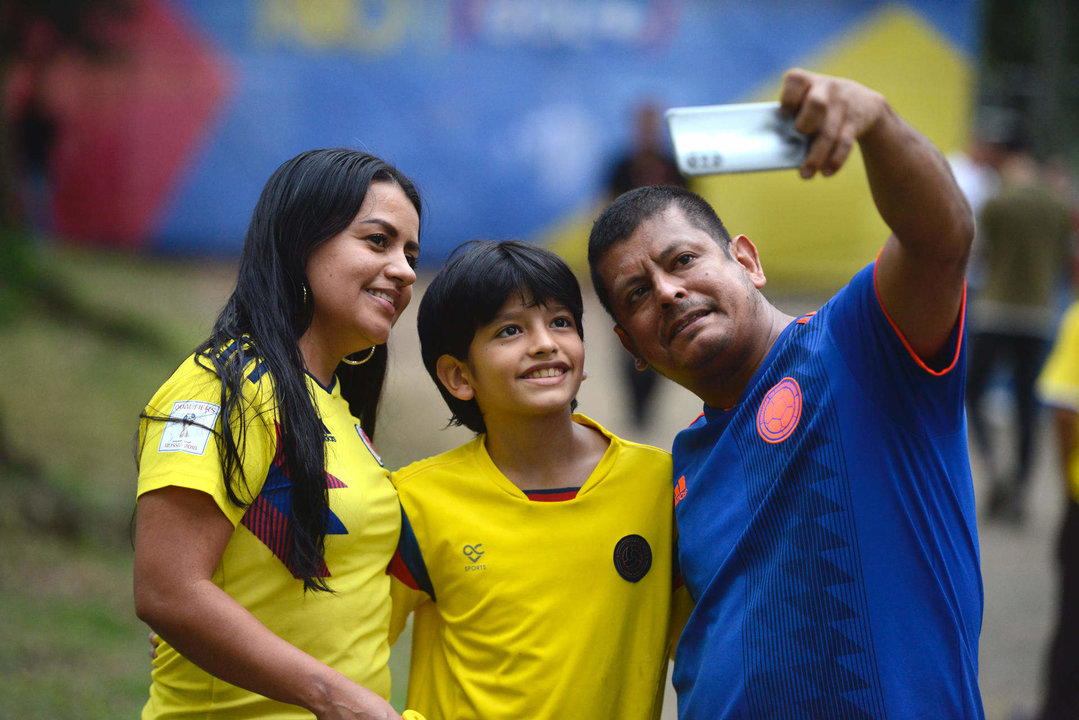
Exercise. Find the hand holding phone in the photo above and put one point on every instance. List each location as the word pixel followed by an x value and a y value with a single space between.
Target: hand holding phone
pixel 716 139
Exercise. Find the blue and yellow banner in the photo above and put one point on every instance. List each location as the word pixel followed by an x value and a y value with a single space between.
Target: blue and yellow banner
pixel 507 113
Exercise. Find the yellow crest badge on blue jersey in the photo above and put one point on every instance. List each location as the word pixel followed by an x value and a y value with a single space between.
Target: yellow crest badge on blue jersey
pixel 370 445
pixel 780 411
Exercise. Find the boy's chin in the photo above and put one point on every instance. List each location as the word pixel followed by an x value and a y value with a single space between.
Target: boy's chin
pixel 555 407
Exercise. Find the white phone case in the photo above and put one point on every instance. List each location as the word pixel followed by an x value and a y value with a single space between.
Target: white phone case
pixel 714 139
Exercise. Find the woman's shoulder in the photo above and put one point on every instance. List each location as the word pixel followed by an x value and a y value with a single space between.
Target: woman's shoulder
pixel 201 374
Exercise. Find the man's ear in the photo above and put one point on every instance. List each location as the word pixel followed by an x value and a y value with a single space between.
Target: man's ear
pixel 627 343
pixel 744 252
pixel 454 376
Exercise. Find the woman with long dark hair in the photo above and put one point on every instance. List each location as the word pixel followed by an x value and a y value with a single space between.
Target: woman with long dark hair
pixel 265 520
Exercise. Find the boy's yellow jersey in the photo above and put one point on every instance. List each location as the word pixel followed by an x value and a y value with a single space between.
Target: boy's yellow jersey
pixel 346 629
pixel 532 609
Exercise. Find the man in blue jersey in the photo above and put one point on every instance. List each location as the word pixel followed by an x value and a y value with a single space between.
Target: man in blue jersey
pixel 824 499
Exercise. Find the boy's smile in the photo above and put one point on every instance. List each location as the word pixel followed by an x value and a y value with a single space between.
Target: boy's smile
pixel 547 373
pixel 528 360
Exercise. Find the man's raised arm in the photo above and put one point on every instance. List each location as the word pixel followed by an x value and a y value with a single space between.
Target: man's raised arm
pixel 920 272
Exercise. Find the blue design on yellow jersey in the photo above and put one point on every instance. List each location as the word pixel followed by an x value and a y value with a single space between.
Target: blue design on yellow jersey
pixel 408 564
pixel 269 515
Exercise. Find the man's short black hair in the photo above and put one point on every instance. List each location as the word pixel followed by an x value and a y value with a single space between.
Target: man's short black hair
pixel 468 292
pixel 622 218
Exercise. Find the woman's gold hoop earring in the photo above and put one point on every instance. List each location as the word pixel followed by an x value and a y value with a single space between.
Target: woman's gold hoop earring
pixel 303 286
pixel 370 354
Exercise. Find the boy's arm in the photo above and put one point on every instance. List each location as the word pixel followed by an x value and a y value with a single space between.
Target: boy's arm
pixel 681 607
pixel 405 600
pixel 681 602
pixel 410 583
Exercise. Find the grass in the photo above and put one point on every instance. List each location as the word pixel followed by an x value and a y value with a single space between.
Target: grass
pixel 70 645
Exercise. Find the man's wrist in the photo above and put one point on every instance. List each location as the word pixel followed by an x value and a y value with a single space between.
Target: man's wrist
pixel 885 120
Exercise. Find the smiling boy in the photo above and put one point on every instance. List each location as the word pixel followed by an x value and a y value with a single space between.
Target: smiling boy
pixel 537 557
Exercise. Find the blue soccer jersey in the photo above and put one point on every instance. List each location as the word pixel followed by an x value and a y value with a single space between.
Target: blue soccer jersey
pixel 827 531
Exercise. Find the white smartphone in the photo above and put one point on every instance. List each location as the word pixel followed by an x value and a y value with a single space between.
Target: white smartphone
pixel 714 139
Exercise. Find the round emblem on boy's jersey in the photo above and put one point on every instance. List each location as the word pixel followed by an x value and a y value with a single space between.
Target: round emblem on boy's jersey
pixel 632 557
pixel 780 411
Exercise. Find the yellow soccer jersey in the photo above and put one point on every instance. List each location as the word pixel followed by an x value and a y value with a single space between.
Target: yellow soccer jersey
pixel 346 629
pixel 1058 384
pixel 531 609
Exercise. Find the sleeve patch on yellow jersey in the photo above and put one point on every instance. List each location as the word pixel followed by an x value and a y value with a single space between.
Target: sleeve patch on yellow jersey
pixel 188 427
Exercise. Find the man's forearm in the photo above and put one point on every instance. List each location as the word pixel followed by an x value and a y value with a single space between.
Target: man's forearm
pixel 914 190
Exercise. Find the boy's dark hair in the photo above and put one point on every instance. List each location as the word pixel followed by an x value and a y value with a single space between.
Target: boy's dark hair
pixel 622 218
pixel 468 292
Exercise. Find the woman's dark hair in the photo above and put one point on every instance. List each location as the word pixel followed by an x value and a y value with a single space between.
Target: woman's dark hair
pixel 622 218
pixel 308 200
pixel 468 292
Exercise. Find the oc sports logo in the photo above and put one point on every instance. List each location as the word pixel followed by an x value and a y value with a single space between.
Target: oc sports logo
pixel 474 553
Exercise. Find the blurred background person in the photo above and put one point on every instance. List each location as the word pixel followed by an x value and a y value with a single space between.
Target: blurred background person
pixel 648 161
pixel 1061 179
pixel 1025 235
pixel 1058 387
pixel 35 135
pixel 976 172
